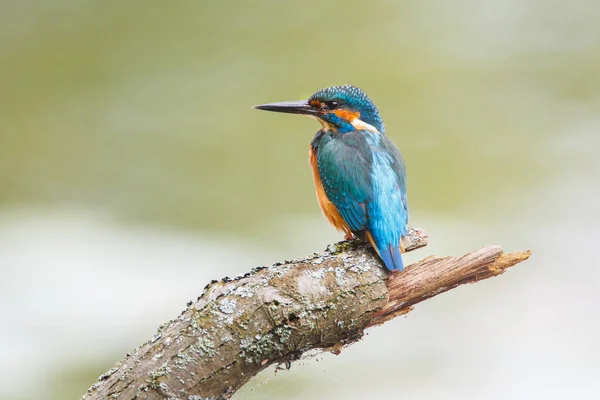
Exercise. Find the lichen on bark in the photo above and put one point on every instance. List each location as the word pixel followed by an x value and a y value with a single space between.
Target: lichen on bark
pixel 239 326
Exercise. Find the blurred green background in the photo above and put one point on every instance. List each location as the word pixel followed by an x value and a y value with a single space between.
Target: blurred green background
pixel 133 171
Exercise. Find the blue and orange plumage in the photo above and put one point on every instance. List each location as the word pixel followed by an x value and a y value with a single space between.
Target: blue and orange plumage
pixel 359 173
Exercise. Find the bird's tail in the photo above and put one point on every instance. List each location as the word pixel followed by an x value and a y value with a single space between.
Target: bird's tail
pixel 390 255
pixel 392 258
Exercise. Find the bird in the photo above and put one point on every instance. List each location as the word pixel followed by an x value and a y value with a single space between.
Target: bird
pixel 358 171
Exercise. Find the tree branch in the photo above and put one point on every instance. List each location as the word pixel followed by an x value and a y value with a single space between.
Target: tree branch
pixel 239 326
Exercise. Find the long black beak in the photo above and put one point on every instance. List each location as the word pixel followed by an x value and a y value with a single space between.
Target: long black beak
pixel 290 107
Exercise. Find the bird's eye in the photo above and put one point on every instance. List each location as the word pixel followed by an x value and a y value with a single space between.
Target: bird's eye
pixel 333 105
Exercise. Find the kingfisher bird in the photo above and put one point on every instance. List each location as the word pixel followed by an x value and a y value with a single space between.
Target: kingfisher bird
pixel 359 173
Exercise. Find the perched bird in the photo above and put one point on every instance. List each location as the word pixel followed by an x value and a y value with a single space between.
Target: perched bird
pixel 359 172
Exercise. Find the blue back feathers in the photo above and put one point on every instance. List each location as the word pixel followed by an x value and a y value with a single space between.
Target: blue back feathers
pixel 363 174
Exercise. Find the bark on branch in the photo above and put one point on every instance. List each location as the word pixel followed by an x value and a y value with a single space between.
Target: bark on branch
pixel 239 326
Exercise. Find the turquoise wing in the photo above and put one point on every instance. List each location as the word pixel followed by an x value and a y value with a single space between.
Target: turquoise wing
pixel 344 168
pixel 364 176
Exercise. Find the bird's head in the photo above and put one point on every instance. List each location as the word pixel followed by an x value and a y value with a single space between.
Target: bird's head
pixel 338 108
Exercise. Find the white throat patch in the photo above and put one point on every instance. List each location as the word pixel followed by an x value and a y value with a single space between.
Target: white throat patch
pixel 324 124
pixel 357 123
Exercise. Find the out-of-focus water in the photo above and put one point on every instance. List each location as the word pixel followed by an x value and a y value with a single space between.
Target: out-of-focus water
pixel 133 171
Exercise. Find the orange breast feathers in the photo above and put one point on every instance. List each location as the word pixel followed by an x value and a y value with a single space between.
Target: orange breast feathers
pixel 328 208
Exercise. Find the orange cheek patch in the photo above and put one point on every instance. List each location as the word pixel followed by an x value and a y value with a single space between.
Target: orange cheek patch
pixel 347 114
pixel 315 103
